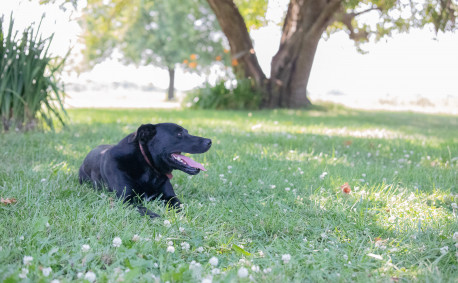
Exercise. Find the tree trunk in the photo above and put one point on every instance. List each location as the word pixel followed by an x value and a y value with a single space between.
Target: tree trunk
pixel 171 91
pixel 244 60
pixel 304 24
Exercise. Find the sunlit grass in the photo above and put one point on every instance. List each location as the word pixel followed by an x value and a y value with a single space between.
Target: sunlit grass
pixel 272 189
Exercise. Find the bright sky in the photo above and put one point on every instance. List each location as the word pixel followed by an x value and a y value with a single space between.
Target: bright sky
pixel 405 65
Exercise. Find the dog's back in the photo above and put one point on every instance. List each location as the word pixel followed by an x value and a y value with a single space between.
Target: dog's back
pixel 90 169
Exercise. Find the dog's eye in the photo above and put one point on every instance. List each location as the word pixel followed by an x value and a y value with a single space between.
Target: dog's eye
pixel 180 134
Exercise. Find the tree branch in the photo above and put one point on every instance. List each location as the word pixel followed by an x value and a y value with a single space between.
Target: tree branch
pixel 346 19
pixel 325 17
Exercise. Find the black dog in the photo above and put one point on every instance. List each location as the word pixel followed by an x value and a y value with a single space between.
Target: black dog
pixel 141 164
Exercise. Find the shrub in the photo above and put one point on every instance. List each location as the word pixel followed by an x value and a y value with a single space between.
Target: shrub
pixel 242 96
pixel 30 92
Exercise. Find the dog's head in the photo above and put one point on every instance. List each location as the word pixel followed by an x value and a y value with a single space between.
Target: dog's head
pixel 164 143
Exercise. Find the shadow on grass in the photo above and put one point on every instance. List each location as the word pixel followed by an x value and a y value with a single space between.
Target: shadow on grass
pixel 273 218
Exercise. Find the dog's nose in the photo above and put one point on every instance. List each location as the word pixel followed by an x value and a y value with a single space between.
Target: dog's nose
pixel 208 142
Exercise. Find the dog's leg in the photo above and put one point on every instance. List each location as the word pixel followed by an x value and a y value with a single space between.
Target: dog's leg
pixel 130 199
pixel 123 189
pixel 169 196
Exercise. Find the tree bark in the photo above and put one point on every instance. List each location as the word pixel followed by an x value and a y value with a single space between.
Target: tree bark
pixel 244 60
pixel 171 90
pixel 304 24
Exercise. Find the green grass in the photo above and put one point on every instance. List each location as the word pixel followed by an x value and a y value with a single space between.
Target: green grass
pixel 261 198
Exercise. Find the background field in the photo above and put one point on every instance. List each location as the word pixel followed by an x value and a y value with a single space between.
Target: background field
pixel 265 196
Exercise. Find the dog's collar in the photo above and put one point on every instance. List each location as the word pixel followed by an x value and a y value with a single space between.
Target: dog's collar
pixel 169 175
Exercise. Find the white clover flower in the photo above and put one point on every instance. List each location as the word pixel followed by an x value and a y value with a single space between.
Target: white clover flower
pixel 185 246
pixel 46 271
pixel 287 189
pixel 170 249
pixel 255 268
pixel 213 261
pixel 273 186
pixel 324 236
pixel 216 271
pixel 90 276
pixel 243 272
pixel 85 248
pixel 444 250
pixel 158 237
pixel 79 275
pixel 181 229
pixel 345 257
pixel 55 281
pixel 454 206
pixel 136 238
pixel 170 243
pixel 194 265
pixel 323 175
pixel 200 249
pixel 207 280
pixel 379 244
pixel 24 273
pixel 267 270
pixel 455 236
pixel 166 223
pixel 27 259
pixel 117 242
pixel 286 258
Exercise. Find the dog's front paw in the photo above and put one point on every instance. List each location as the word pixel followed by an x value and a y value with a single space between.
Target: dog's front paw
pixel 145 211
pixel 175 204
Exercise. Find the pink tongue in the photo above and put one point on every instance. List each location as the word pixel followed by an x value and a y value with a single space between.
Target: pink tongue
pixel 192 163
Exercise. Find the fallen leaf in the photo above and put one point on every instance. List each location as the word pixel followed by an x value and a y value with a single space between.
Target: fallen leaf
pixel 378 257
pixel 348 142
pixel 7 201
pixel 346 189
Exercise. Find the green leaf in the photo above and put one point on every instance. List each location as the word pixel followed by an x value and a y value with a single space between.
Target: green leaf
pixel 240 250
pixel 40 224
pixel 132 274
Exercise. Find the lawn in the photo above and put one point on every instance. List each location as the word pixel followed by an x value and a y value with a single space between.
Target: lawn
pixel 269 209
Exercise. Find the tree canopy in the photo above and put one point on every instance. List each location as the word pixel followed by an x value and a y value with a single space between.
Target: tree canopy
pixel 163 33
pixel 306 22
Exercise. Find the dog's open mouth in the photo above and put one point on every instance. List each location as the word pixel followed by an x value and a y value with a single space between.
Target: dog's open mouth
pixel 188 162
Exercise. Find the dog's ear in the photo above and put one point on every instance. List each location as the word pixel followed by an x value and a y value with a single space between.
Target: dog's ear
pixel 143 134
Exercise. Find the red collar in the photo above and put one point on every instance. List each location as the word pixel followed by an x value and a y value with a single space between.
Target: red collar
pixel 169 175
pixel 146 157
